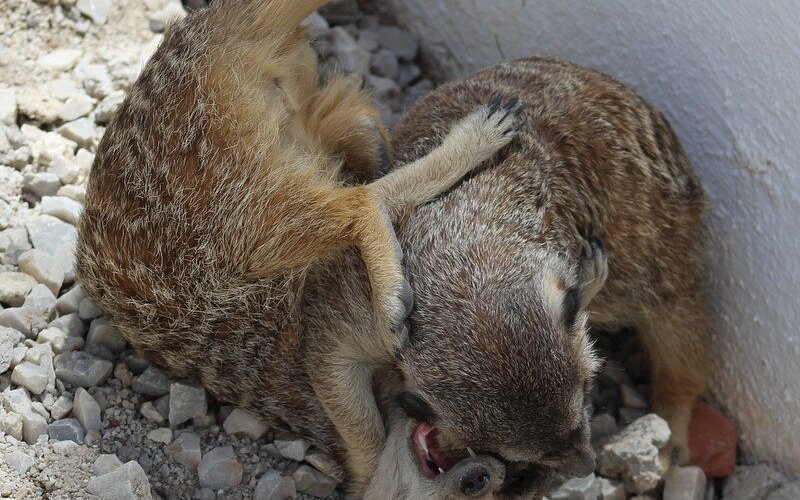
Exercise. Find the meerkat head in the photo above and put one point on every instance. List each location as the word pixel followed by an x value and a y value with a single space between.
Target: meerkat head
pixel 499 364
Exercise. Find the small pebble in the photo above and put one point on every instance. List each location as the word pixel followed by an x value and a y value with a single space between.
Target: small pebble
pixel 313 482
pixel 186 401
pixel 219 468
pixel 66 429
pixel 274 486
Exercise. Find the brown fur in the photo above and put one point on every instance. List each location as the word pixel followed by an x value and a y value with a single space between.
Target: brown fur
pixel 219 185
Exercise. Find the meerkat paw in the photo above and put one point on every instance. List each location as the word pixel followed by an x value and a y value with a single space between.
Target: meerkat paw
pixel 399 301
pixel 594 269
pixel 490 127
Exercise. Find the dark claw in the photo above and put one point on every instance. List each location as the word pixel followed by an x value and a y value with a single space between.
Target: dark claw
pixel 597 242
pixel 520 126
pixel 520 110
pixel 494 105
pixel 513 102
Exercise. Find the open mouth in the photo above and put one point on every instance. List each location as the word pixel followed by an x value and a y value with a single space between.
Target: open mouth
pixel 432 460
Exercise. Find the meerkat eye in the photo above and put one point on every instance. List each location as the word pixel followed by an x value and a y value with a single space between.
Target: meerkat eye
pixel 416 407
pixel 571 306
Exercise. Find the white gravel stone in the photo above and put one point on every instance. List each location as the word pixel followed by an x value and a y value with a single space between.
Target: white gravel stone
pixel 95 79
pixel 16 318
pixel 76 107
pixel 14 287
pixel 73 192
pixel 82 131
pixel 126 482
pixel 11 424
pixel 71 300
pixel 50 234
pixel 220 468
pixel 152 382
pixel 70 324
pixel 13 243
pixel 160 435
pixel 59 60
pixel 752 482
pixel 30 376
pixel 108 106
pixel 8 341
pixel 579 488
pixel 149 411
pixel 102 332
pixel 39 307
pixel 96 10
pixel 61 408
pixel 57 340
pixel 8 106
pixel 87 410
pixel 44 267
pixel 106 463
pixel 633 454
pixel 790 491
pixel 88 310
pixel 19 461
pixel 82 369
pixel 41 183
pixel 66 429
pixel 242 422
pixel 611 490
pixel 186 401
pixel 186 450
pixel 352 57
pixel 62 88
pixel 685 483
pixel 313 482
pixel 172 11
pixel 274 486
pixel 38 106
pixel 293 448
pixel 65 169
pixel 34 425
pixel 400 42
pixel 385 64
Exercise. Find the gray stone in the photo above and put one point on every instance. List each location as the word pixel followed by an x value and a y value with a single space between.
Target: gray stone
pixel 685 483
pixel 316 26
pixel 186 401
pixel 14 287
pixel 11 424
pixel 33 426
pixel 186 450
pixel 160 435
pixel 123 374
pixel 62 208
pixel 633 454
pixel 385 64
pixel 408 74
pixel 382 88
pixel 313 482
pixel 8 341
pixel 102 332
pixel 8 106
pixel 416 92
pixel 30 376
pixel 274 486
pixel 96 10
pixel 59 340
pixel 70 324
pixel 41 183
pixel 73 192
pixel 790 491
pixel 220 468
pixel 752 482
pixel 19 461
pixel 242 422
pixel 162 405
pixel 13 243
pixel 66 429
pixel 16 318
pixel 44 267
pixel 82 369
pixel 61 408
pixel 611 490
pixel 579 488
pixel 349 53
pixel 86 410
pixel 126 482
pixel 149 411
pixel 88 310
pixel 63 446
pixel 293 448
pixel 105 464
pixel 38 307
pixel 400 42
pixel 50 234
pixel 108 106
pixel 368 40
pixel 82 131
pixel 76 106
pixel 152 382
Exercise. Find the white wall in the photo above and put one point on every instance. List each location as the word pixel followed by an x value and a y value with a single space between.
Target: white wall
pixel 727 75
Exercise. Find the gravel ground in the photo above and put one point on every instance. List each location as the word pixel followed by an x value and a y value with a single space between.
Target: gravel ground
pixel 81 416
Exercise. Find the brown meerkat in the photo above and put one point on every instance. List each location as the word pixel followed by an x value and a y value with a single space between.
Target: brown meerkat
pixel 498 360
pixel 221 180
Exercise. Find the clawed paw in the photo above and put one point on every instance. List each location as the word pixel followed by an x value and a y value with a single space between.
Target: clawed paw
pixel 508 116
pixel 594 268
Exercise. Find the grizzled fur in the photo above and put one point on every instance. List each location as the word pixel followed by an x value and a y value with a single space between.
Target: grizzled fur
pixel 225 177
pixel 498 350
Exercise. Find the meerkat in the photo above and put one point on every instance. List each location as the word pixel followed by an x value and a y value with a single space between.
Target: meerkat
pixel 227 173
pixel 592 217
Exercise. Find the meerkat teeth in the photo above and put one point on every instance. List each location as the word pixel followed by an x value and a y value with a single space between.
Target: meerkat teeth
pixel 423 445
pixel 441 471
pixel 471 453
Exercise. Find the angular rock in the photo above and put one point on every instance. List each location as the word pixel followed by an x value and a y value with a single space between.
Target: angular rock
pixel 59 340
pixel 62 208
pixel 13 243
pixel 50 234
pixel 8 106
pixel 14 287
pixel 186 401
pixel 73 192
pixel 385 64
pixel 77 106
pixel 102 332
pixel 33 426
pixel 16 318
pixel 611 490
pixel 242 422
pixel 108 106
pixel 41 183
pixel 8 341
pixel 66 429
pixel 61 408
pixel 19 461
pixel 313 482
pixel 408 74
pixel 149 412
pixel 70 301
pixel 88 310
pixel 685 483
pixel 95 79
pixel 105 464
pixel 96 10
pixel 274 486
pixel 38 106
pixel 82 369
pixel 70 324
pixel 752 482
pixel 59 60
pixel 123 374
pixel 634 454
pixel 292 448
pixel 44 267
pixel 399 42
pixel 186 450
pixel 30 376
pixel 87 410
pixel 11 424
pixel 126 482
pixel 579 488
pixel 160 435
pixel 171 12
pixel 220 468
pixel 82 131
pixel 152 382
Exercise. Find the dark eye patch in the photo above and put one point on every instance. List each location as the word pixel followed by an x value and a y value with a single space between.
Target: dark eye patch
pixel 571 306
pixel 416 407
